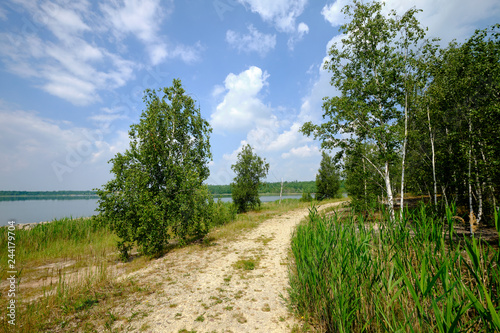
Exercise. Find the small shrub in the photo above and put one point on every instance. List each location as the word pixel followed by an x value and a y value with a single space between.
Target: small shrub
pixel 306 197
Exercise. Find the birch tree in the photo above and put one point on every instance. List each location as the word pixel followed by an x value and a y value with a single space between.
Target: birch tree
pixel 157 190
pixel 367 71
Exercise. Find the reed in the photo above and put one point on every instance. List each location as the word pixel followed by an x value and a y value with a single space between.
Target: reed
pixel 412 275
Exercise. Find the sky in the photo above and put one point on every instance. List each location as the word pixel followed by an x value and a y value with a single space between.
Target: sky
pixel 73 73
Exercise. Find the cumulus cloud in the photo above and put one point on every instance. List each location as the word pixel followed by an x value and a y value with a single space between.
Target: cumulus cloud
pixel 255 41
pixel 241 107
pixel 302 152
pixel 333 12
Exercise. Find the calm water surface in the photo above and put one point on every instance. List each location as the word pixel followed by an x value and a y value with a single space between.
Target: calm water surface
pixel 29 211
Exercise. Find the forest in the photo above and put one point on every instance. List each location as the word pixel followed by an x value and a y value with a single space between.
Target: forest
pixel 34 195
pixel 413 115
pixel 271 187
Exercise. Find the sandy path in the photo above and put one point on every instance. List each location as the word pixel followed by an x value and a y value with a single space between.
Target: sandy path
pixel 203 290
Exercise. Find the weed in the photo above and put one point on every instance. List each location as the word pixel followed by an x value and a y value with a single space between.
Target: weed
pixel 240 318
pixel 245 264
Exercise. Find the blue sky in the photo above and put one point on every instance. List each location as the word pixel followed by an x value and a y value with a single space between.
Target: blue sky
pixel 73 72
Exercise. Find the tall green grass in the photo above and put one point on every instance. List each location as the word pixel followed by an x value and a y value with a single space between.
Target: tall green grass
pixel 63 238
pixel 413 275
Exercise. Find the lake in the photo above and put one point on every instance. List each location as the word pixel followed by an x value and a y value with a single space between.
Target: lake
pixel 29 211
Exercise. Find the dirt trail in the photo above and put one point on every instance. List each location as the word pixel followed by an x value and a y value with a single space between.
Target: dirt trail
pixel 211 290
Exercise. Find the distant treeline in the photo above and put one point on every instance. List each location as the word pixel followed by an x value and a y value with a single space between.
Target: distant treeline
pixel 33 195
pixel 288 187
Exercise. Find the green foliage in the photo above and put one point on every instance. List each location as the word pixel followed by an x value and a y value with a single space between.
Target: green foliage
pixel 327 179
pixel 306 197
pixel 157 190
pixel 222 213
pixel 289 187
pixel 371 69
pixel 44 195
pixel 361 180
pixel 271 187
pixel 249 169
pixel 348 276
pixel 457 122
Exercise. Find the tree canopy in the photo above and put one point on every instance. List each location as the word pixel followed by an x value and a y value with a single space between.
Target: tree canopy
pixel 157 188
pixel 249 169
pixel 327 179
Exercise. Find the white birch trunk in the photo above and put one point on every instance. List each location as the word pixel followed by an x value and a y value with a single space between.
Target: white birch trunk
pixel 401 205
pixel 390 198
pixel 433 157
pixel 364 180
pixel 281 190
pixel 479 191
pixel 471 210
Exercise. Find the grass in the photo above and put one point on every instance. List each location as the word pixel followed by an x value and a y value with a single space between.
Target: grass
pixel 65 276
pixel 413 275
pixel 246 264
pixel 68 238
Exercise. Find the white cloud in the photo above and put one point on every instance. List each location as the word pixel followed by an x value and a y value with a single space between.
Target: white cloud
pixel 138 17
pixel 445 19
pixel 288 138
pixel 68 67
pixel 142 19
pixel 302 152
pixel 302 30
pixel 282 13
pixel 65 48
pixel 255 41
pixel 241 107
pixel 333 12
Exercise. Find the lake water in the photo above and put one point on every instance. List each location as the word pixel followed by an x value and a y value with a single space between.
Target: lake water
pixel 29 211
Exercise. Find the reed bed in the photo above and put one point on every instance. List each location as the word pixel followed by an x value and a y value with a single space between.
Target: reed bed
pixel 413 275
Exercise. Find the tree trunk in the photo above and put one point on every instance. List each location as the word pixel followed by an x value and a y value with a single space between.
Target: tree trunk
pixel 281 190
pixel 401 204
pixel 364 180
pixel 390 198
pixel 471 210
pixel 433 157
pixel 479 191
